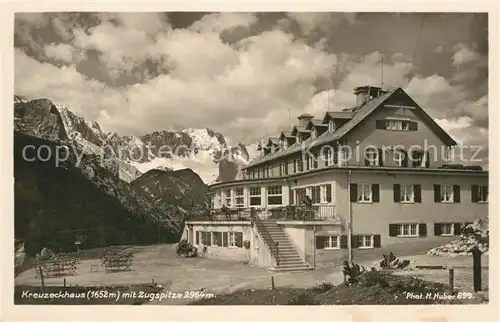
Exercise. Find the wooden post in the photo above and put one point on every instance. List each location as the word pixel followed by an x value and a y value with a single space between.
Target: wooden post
pixel 476 267
pixel 272 282
pixel 451 280
pixel 41 278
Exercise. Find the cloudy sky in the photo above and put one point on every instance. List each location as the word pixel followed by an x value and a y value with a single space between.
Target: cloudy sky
pixel 243 74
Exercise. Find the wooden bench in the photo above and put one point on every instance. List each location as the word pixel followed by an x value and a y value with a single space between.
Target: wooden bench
pixel 117 261
pixel 56 267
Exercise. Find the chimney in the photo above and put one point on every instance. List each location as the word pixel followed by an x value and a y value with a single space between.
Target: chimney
pixel 304 119
pixel 366 93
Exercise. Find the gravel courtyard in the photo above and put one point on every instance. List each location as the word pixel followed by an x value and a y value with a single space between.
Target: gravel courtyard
pixel 159 263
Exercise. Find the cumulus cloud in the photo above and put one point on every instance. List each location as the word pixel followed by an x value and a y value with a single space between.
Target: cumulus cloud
pixel 63 52
pixel 246 88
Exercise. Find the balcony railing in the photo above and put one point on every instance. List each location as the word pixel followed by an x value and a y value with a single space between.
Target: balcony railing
pixel 290 212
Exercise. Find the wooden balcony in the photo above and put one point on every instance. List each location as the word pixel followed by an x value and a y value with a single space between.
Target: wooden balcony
pixel 290 212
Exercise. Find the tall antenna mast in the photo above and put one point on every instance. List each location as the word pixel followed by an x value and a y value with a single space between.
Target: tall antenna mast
pixel 382 73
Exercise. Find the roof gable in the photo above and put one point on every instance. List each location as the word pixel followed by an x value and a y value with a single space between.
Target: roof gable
pixel 332 115
pixel 313 123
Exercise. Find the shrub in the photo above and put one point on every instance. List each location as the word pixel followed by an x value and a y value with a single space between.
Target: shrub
pixel 323 287
pixel 392 262
pixel 352 272
pixel 302 299
pixel 374 278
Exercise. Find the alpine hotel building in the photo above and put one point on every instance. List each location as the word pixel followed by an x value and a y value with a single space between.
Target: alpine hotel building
pixel 377 173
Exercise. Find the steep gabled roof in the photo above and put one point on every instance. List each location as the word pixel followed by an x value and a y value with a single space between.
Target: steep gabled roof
pixel 361 114
pixel 313 123
pixel 285 134
pixel 337 115
pixel 298 128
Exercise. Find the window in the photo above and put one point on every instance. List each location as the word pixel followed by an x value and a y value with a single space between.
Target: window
pixel 301 194
pixel 297 166
pixel 212 202
pixel 364 241
pixel 397 125
pixel 328 156
pixel 285 144
pixel 239 199
pixel 204 238
pixel 232 239
pixel 399 158
pixel 407 193
pixel 268 172
pixel 217 238
pixel 479 193
pixel 283 169
pixel 331 126
pixel 364 193
pixel 332 242
pixel 372 157
pixel 447 193
pixel 343 156
pixel 255 196
pixel 274 195
pixel 447 229
pixel 316 194
pixel 314 133
pixel 227 197
pixel 326 193
pixel 410 230
pixel 298 138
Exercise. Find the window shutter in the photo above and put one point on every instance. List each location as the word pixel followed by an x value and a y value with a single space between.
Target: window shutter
pixel 295 166
pixel 225 237
pixel 375 192
pixel 413 126
pixel 456 193
pixel 354 192
pixel 328 193
pixel 380 124
pixel 376 241
pixel 354 241
pixel 380 158
pixel 320 242
pixel 437 229
pixel 417 193
pixel 405 159
pixel 239 239
pixel 367 162
pixel 414 160
pixel 393 230
pixel 397 192
pixel 197 237
pixel 343 241
pixel 457 228
pixel 422 230
pixel 286 168
pixel 315 160
pixel 474 193
pixel 437 193
pixel 427 159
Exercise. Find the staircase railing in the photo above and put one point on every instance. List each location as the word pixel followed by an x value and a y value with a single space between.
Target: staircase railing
pixel 266 235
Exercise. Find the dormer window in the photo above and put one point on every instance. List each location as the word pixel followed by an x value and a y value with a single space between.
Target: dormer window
pixel 331 126
pixel 299 139
pixel 285 144
pixel 314 133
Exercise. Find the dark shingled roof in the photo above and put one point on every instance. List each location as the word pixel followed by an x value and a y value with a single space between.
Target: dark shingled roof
pixel 339 115
pixel 356 119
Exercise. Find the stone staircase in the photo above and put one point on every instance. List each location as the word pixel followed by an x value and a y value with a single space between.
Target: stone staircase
pixel 284 252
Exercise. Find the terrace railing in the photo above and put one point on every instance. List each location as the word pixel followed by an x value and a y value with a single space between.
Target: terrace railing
pixel 290 212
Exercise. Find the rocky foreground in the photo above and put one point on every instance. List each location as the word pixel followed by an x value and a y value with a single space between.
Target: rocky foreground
pixel 473 235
